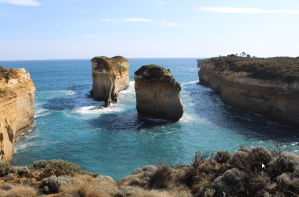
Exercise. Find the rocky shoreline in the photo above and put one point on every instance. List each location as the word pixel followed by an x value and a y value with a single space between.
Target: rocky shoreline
pixel 266 86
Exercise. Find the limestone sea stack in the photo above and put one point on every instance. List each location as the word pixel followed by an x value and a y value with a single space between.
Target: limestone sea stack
pixel 110 76
pixel 266 86
pixel 16 108
pixel 157 93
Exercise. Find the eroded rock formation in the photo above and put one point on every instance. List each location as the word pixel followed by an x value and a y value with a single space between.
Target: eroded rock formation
pixel 157 93
pixel 269 87
pixel 16 108
pixel 110 76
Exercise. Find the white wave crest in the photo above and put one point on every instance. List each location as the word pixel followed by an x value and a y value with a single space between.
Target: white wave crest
pixel 42 112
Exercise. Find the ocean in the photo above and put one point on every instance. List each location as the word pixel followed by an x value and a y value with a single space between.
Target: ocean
pixel 114 141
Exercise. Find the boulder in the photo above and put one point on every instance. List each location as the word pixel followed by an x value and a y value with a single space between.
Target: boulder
pixel 110 76
pixel 157 93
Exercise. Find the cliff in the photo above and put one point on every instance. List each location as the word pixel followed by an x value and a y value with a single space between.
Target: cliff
pixel 266 86
pixel 16 108
pixel 110 76
pixel 157 93
pixel 200 61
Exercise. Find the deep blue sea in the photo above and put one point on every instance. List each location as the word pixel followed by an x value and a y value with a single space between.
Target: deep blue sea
pixel 114 141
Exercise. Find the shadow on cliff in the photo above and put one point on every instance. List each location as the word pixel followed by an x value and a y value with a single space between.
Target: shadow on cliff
pixel 80 98
pixel 208 105
pixel 127 122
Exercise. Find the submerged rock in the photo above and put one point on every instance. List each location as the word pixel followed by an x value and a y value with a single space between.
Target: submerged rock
pixel 110 76
pixel 157 93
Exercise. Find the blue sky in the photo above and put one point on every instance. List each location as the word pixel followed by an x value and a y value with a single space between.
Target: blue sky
pixel 82 29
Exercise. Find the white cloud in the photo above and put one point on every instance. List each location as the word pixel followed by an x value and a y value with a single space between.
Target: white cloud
pixel 21 2
pixel 293 13
pixel 172 24
pixel 137 20
pixel 159 2
pixel 107 20
pixel 239 10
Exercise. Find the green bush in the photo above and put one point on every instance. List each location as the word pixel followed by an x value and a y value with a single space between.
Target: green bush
pixel 222 156
pixel 5 168
pixel 39 164
pixel 59 167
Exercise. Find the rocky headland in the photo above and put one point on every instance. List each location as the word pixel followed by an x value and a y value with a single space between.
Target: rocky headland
pixel 266 86
pixel 257 172
pixel 110 76
pixel 200 61
pixel 16 108
pixel 157 93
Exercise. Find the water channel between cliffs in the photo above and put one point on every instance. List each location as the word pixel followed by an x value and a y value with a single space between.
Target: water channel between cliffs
pixel 107 141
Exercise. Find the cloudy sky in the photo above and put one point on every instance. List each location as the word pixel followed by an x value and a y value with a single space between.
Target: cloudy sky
pixel 82 29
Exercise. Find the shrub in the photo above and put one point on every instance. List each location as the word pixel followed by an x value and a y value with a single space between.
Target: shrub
pixel 60 167
pixel 39 164
pixel 5 168
pixel 209 193
pixel 222 156
pixel 84 186
pixel 161 178
pixel 20 191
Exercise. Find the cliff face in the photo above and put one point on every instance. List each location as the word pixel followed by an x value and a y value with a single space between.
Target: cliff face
pixel 110 76
pixel 269 87
pixel 157 93
pixel 16 108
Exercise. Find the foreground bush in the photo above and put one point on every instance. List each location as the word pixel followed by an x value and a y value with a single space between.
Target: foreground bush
pixel 256 172
pixel 5 169
pixel 19 191
pixel 56 167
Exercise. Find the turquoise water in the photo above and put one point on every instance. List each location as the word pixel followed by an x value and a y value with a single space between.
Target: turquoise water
pixel 114 141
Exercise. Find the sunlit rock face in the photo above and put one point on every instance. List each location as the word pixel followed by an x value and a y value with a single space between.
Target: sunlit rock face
pixel 266 86
pixel 157 93
pixel 110 76
pixel 16 108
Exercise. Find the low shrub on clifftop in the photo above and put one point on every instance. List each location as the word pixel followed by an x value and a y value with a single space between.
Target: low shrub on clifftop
pixel 276 68
pixel 56 167
pixel 6 73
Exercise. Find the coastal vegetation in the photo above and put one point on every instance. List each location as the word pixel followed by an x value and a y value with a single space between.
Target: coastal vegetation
pixel 6 73
pixel 276 68
pixel 154 73
pixel 255 172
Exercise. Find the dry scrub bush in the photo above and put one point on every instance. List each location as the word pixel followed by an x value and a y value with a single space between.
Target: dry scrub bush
pixel 20 191
pixel 85 186
pixel 139 192
pixel 222 156
pixel 4 168
pixel 162 178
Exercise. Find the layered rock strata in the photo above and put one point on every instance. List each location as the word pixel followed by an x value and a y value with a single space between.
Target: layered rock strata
pixel 110 76
pixel 269 87
pixel 157 93
pixel 16 108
